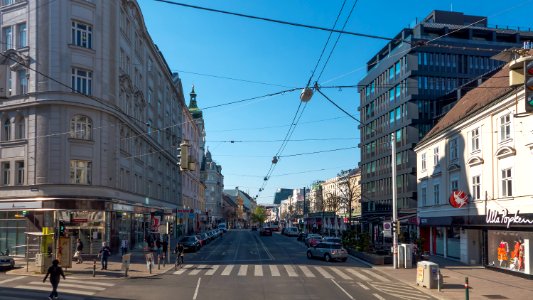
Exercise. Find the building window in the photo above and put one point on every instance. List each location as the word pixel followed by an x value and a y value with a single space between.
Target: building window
pixel 475 140
pixel 507 183
pixel 476 187
pixel 6 173
pixel 7 130
pixel 19 178
pixel 423 161
pixel 436 192
pixel 424 196
pixel 22 32
pixel 80 172
pixel 453 149
pixel 505 127
pixel 82 35
pixel 20 128
pixel 436 156
pixel 7 36
pixel 81 127
pixel 82 81
pixel 455 185
pixel 22 79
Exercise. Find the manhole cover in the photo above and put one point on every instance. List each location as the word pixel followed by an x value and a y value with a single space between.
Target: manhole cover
pixel 495 297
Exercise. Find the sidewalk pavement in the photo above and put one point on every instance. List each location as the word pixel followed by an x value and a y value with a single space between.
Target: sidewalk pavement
pixel 484 283
pixel 138 268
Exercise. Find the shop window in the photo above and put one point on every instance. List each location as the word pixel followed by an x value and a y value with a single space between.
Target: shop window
pixel 453 240
pixel 508 250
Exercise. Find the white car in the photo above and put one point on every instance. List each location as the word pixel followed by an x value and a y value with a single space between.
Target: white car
pixel 291 231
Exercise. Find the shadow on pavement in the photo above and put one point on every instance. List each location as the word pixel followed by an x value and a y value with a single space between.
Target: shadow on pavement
pixel 13 293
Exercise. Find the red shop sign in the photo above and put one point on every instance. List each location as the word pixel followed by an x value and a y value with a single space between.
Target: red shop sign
pixel 458 199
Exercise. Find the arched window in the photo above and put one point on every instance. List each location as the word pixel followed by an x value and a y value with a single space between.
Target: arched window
pixel 81 127
pixel 20 128
pixel 6 130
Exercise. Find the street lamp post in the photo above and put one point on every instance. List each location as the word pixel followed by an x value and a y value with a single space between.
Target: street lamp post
pixel 394 205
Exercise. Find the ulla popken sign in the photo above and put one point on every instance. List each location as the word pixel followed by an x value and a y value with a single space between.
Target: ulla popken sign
pixel 503 217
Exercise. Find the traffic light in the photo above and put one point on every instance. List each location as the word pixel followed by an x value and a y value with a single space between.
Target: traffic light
pixel 171 229
pixel 61 228
pixel 528 85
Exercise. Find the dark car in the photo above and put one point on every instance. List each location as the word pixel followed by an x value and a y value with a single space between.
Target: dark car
pixel 190 243
pixel 6 261
pixel 265 231
pixel 202 237
pixel 254 228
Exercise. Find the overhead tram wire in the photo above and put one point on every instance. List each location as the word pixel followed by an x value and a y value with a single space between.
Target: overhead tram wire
pixel 281 22
pixel 235 79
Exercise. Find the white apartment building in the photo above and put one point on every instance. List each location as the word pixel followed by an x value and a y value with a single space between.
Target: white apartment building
pixel 475 197
pixel 91 120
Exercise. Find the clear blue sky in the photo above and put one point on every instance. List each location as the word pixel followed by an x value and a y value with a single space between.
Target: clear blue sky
pixel 195 41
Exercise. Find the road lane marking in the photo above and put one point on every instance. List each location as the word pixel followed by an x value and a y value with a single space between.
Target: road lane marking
pixel 242 270
pixel 376 275
pixel 183 270
pixel 290 271
pixel 378 296
pixel 227 270
pixel 274 270
pixel 341 274
pixel 306 271
pixel 212 270
pixel 197 287
pixel 258 271
pixel 92 283
pixel 359 275
pixel 340 287
pixel 363 286
pixel 324 272
pixel 197 270
pixel 11 279
pixel 85 287
pixel 60 290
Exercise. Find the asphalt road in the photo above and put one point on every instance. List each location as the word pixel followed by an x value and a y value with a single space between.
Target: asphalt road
pixel 240 265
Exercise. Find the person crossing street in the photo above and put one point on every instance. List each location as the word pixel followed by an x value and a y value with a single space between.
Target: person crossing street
pixel 55 272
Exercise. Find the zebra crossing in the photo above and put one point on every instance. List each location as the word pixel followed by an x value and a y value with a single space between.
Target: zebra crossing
pixel 68 286
pixel 307 271
pixel 400 291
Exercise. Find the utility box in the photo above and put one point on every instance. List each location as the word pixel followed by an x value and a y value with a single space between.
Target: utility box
pixel 428 275
pixel 43 261
pixel 405 256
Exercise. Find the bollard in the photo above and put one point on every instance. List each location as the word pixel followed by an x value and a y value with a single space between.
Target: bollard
pixel 159 262
pixel 94 267
pixel 438 280
pixel 467 297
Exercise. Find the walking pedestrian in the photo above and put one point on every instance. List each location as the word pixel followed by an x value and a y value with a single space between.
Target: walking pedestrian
pixel 124 247
pixel 104 254
pixel 158 247
pixel 165 248
pixel 79 250
pixel 55 272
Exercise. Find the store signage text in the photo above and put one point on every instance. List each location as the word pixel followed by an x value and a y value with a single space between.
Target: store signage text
pixel 495 217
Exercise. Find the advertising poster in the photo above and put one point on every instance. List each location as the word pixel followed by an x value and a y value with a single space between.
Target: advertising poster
pixel 64 252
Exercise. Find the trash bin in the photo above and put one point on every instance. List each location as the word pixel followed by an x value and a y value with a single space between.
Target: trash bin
pixel 427 274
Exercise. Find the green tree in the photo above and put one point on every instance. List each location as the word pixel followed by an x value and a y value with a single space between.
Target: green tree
pixel 259 215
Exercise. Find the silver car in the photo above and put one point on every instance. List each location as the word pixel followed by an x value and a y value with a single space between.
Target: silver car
pixel 328 251
pixel 6 261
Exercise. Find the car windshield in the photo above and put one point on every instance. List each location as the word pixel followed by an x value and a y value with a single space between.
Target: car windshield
pixel 336 246
pixel 188 239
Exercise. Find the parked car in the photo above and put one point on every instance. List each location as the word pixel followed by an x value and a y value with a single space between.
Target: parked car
pixel 328 251
pixel 291 231
pixel 202 237
pixel 190 243
pixel 332 239
pixel 265 231
pixel 6 262
pixel 312 239
pixel 254 228
pixel 223 227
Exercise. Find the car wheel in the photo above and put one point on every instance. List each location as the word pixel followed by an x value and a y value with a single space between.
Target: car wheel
pixel 344 259
pixel 327 257
pixel 309 254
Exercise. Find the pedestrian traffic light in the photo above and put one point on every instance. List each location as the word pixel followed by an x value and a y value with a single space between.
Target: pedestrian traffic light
pixel 528 85
pixel 61 228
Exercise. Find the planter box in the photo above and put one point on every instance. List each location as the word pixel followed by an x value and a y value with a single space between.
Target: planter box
pixel 372 258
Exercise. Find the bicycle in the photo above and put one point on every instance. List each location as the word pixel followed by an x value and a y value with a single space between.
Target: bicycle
pixel 179 261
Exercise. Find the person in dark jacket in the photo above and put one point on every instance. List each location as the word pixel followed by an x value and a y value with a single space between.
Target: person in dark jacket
pixel 55 272
pixel 79 249
pixel 104 254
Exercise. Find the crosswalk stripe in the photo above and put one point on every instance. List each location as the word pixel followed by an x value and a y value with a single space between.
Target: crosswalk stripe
pixel 290 271
pixel 91 282
pixel 212 270
pixel 60 290
pixel 242 270
pixel 363 286
pixel 376 275
pixel 258 271
pixel 341 274
pixel 307 272
pixel 378 296
pixel 357 274
pixel 197 270
pixel 11 279
pixel 183 270
pixel 227 270
pixel 274 270
pixel 62 284
pixel 402 291
pixel 324 273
